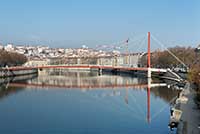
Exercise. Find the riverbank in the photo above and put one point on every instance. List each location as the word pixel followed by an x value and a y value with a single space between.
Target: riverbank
pixel 7 72
pixel 190 119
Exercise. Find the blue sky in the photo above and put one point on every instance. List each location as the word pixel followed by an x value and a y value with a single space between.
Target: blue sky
pixel 72 23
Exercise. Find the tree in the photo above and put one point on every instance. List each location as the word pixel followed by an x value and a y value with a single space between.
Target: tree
pixel 11 58
pixel 164 59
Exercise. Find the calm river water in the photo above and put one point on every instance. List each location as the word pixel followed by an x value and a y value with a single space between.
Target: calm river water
pixel 68 102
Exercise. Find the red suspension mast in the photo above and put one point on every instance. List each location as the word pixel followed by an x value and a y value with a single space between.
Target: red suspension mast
pixel 149 51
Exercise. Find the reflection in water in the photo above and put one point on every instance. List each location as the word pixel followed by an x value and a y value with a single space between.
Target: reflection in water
pixel 6 89
pixel 92 80
pixel 79 79
pixel 99 101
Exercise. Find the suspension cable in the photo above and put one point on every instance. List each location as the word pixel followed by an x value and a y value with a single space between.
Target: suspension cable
pixel 133 97
pixel 120 44
pixel 162 45
pixel 160 111
pixel 117 107
pixel 141 43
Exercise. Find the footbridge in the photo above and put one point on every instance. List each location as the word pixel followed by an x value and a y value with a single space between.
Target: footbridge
pixel 161 72
pixel 148 70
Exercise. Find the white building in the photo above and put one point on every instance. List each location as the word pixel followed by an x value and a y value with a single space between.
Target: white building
pixel 198 47
pixel 38 62
pixel 9 47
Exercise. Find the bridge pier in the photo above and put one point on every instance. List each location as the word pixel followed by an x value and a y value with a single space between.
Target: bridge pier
pixel 149 72
pixel 100 71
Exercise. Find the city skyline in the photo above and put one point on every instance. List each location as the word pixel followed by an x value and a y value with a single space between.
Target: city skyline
pixel 76 23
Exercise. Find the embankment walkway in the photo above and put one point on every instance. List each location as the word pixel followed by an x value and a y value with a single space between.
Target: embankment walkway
pixel 190 120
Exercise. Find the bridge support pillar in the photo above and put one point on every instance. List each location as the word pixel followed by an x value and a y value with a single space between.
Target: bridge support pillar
pixel 100 71
pixel 149 72
pixel 40 71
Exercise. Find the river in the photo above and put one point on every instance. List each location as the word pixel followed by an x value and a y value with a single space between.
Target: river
pixel 72 101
